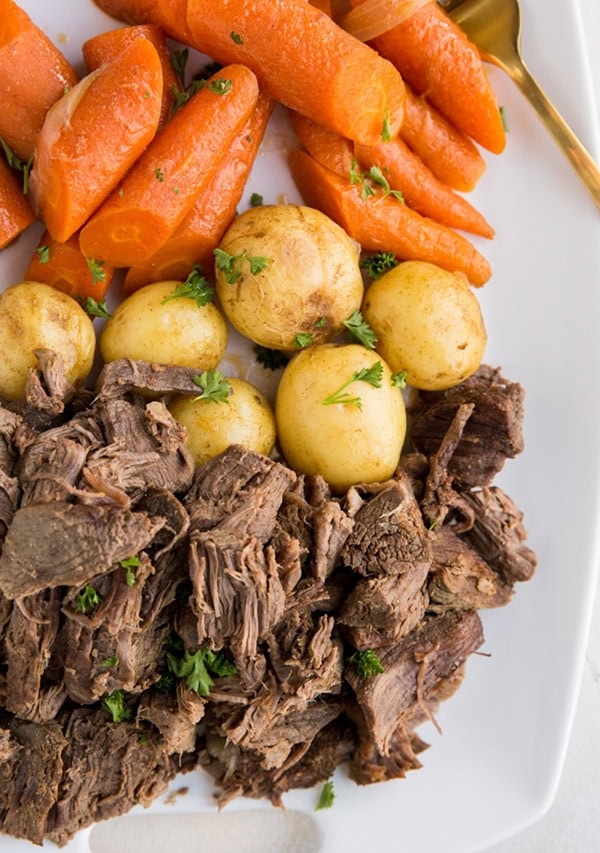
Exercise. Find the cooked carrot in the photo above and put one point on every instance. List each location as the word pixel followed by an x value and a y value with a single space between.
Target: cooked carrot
pixel 92 137
pixel 439 61
pixel 421 190
pixel 63 266
pixel 381 223
pixel 201 231
pixel 34 75
pixel 107 46
pixel 323 6
pixel 152 200
pixel 329 148
pixel 448 152
pixel 15 211
pixel 169 15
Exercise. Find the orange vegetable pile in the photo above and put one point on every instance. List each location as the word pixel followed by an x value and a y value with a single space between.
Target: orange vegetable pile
pixel 128 168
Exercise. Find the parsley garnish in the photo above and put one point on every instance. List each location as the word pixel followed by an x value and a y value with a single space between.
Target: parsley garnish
pixel 110 662
pixel 386 133
pixel 371 375
pixel 19 165
pixel 198 668
pixel 369 180
pixel 256 200
pixel 214 385
pixel 320 323
pixel 231 264
pixel 87 600
pixel 303 339
pixel 220 86
pixel 236 37
pixel 179 61
pixel 399 379
pixel 367 663
pixel 115 704
pixel 326 797
pixel 378 263
pixel 195 287
pixel 97 271
pixel 130 564
pixel 94 308
pixel 359 329
pixel 43 253
pixel 505 126
pixel 159 174
pixel 271 359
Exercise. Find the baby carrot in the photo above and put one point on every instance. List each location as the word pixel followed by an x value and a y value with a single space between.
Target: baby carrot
pixel 63 266
pixel 438 60
pixel 169 15
pixel 161 188
pixel 381 223
pixel 421 190
pixel 15 211
pixel 93 135
pixel 34 75
pixel 450 154
pixel 329 148
pixel 107 46
pixel 194 242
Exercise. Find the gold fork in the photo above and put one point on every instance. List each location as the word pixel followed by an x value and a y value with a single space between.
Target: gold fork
pixel 495 27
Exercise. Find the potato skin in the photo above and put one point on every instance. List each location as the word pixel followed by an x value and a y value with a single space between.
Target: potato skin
pixel 246 419
pixel 343 443
pixel 428 323
pixel 36 316
pixel 312 282
pixel 178 332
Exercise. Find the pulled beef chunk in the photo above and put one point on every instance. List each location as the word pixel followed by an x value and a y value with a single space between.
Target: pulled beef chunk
pixel 332 527
pixel 9 424
pixel 9 501
pixel 238 490
pixel 493 433
pixel 498 534
pixel 460 579
pixel 368 765
pixel 175 716
pixel 161 503
pixel 57 543
pixel 389 536
pixel 119 378
pixel 380 611
pixel 412 668
pixel 331 746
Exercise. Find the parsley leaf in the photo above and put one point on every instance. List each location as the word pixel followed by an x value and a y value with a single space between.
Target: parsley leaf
pixel 110 662
pixel 371 375
pixel 43 253
pixel 97 271
pixel 303 339
pixel 326 797
pixel 236 37
pixel 367 663
pixel 214 385
pixel 231 264
pixel 87 600
pixel 386 133
pixel 159 174
pixel 179 61
pixel 399 379
pixel 378 263
pixel 256 200
pixel 370 180
pixel 271 359
pixel 94 308
pixel 130 564
pixel 196 287
pixel 359 329
pixel 220 86
pixel 114 703
pixel 16 163
pixel 198 667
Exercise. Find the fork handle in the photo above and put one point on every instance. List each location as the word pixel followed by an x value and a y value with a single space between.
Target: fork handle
pixel 573 149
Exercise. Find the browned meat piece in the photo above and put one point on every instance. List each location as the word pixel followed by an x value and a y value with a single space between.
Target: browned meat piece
pixel 119 378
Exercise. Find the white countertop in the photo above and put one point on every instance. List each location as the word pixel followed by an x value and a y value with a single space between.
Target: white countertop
pixel 572 825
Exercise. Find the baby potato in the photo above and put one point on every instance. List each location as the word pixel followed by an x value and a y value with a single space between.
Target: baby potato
pixel 36 316
pixel 428 323
pixel 287 270
pixel 178 331
pixel 332 423
pixel 246 418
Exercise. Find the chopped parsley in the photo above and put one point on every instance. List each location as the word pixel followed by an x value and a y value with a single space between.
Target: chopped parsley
pixel 256 200
pixel 219 86
pixel 399 379
pixel 367 663
pixel 231 264
pixel 303 339
pixel 236 37
pixel 504 119
pixel 326 797
pixel 97 270
pixel 371 375
pixel 159 174
pixel 386 133
pixel 196 287
pixel 94 308
pixel 179 60
pixel 17 164
pixel 43 253
pixel 378 263
pixel 87 600
pixel 198 668
pixel 271 359
pixel 371 180
pixel 130 564
pixel 110 662
pixel 360 330
pixel 214 385
pixel 114 703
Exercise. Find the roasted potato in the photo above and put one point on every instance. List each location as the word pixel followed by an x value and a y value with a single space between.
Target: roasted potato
pixel 35 316
pixel 285 271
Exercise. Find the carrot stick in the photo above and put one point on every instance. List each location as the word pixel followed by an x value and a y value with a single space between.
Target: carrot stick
pixel 450 154
pixel 34 75
pixel 15 211
pixel 439 61
pixel 201 231
pixel 63 266
pixel 107 46
pixel 93 135
pixel 169 15
pixel 329 148
pixel 384 224
pixel 421 190
pixel 152 200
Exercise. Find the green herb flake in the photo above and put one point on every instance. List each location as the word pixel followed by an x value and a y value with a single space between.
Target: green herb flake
pixel 367 663
pixel 399 379
pixel 386 132
pixel 196 287
pixel 378 263
pixel 359 329
pixel 147 94
pixel 88 599
pixel 371 375
pixel 303 339
pixel 256 200
pixel 159 174
pixel 114 703
pixel 214 385
pixel 111 662
pixel 504 119
pixel 197 668
pixel 142 738
pixel 370 180
pixel 271 359
pixel 179 60
pixel 97 270
pixel 320 323
pixel 95 308
pixel 236 37
pixel 231 265
pixel 43 253
pixel 19 165
pixel 220 86
pixel 326 797
pixel 130 564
